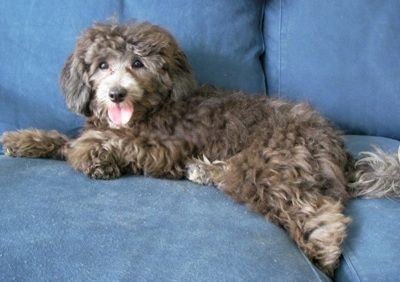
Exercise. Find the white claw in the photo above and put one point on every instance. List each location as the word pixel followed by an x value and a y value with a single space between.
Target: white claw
pixel 398 154
pixel 207 161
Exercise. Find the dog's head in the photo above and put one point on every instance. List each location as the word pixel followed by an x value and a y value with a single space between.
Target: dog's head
pixel 121 72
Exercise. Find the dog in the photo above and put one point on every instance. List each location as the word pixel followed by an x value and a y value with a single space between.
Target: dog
pixel 146 114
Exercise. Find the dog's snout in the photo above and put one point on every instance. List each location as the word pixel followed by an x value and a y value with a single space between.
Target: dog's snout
pixel 117 94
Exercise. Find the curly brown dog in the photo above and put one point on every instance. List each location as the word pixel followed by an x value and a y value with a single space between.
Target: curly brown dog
pixel 146 115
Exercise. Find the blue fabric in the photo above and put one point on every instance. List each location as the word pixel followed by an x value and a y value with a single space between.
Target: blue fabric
pixel 223 39
pixel 37 38
pixel 360 143
pixel 342 56
pixel 370 252
pixel 59 225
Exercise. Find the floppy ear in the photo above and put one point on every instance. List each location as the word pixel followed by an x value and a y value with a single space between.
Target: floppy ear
pixel 74 84
pixel 183 78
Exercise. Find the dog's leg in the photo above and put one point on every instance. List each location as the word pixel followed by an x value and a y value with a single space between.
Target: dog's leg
pixel 319 229
pixel 106 155
pixel 94 153
pixel 317 225
pixel 33 143
pixel 285 194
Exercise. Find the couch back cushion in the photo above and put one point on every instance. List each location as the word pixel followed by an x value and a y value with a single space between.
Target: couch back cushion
pixel 223 40
pixel 37 37
pixel 342 56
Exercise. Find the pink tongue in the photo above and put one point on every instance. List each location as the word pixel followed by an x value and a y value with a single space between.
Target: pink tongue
pixel 120 114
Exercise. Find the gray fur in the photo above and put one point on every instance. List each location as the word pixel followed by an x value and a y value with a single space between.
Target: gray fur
pixel 378 175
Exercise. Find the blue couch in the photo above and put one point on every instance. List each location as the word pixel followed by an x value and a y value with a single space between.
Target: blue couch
pixel 58 225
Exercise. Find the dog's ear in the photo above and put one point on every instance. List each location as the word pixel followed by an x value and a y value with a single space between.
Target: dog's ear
pixel 184 82
pixel 75 85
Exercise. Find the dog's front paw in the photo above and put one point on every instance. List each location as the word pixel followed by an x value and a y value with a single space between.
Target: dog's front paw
pixel 33 143
pixel 95 161
pixel 103 171
pixel 100 164
pixel 9 145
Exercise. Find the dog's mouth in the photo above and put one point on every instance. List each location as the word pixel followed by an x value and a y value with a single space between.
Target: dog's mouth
pixel 121 113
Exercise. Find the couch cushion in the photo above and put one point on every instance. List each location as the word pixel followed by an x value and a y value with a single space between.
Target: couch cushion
pixel 58 225
pixel 39 36
pixel 342 56
pixel 370 252
pixel 356 144
pixel 223 39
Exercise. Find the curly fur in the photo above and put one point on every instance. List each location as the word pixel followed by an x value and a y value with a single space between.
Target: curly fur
pixel 146 115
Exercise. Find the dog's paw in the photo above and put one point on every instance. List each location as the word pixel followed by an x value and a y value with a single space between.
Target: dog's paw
pixel 101 165
pixel 32 143
pixel 196 172
pixel 204 172
pixel 324 234
pixel 103 171
pixel 15 144
pixel 93 160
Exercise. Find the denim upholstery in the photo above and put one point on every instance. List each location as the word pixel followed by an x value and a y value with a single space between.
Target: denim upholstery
pixel 342 56
pixel 58 225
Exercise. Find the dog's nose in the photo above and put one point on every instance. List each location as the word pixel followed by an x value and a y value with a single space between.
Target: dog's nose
pixel 117 94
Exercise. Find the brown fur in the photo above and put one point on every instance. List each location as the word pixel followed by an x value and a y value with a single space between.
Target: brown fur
pixel 283 160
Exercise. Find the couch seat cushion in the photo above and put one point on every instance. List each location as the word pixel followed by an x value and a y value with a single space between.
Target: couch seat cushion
pixel 58 225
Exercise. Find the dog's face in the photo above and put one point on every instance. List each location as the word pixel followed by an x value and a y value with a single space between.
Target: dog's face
pixel 119 73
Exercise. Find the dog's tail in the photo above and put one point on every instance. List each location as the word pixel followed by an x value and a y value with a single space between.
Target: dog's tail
pixel 376 175
pixel 33 143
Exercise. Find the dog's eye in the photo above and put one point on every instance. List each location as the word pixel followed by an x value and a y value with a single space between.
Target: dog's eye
pixel 103 66
pixel 137 64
